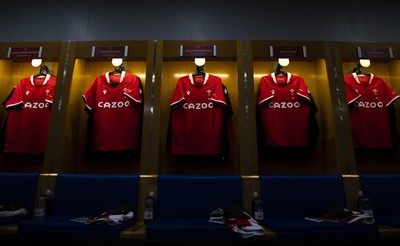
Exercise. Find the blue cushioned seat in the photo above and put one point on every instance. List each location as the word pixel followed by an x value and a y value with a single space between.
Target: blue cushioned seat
pixel 89 195
pixel 289 199
pixel 383 190
pixel 18 188
pixel 184 204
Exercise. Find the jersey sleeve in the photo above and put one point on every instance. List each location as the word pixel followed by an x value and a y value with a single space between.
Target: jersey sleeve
pixel 265 94
pixel 8 97
pixel 392 116
pixel 141 89
pixel 228 109
pixel 313 122
pixel 351 94
pixel 90 95
pixel 220 92
pixel 179 95
pixel 390 94
pixel 15 98
pixel 303 90
pixel 135 90
pixel 227 133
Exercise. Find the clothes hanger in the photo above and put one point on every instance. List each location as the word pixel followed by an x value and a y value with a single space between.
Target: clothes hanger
pixel 118 69
pixel 199 71
pixel 44 70
pixel 358 70
pixel 199 67
pixel 279 71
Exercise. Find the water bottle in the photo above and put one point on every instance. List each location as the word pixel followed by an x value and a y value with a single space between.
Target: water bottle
pixel 364 204
pixel 49 202
pixel 40 210
pixel 149 207
pixel 257 207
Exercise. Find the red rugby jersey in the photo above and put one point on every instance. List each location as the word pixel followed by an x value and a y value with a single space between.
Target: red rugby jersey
pixel 116 103
pixel 198 110
pixel 29 111
pixel 368 98
pixel 284 107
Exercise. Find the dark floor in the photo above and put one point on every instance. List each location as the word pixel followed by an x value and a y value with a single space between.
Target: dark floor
pixel 9 241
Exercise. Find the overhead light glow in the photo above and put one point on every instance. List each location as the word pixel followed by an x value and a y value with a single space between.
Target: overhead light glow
pixel 365 62
pixel 199 61
pixel 36 62
pixel 117 62
pixel 283 61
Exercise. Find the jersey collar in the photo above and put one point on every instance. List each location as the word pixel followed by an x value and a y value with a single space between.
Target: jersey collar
pixel 289 76
pixel 355 76
pixel 205 78
pixel 121 78
pixel 45 79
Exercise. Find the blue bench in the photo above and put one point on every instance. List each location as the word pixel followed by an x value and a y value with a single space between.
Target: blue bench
pixel 78 195
pixel 383 190
pixel 289 199
pixel 184 204
pixel 18 188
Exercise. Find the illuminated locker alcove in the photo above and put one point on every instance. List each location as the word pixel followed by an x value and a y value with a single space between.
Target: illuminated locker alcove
pixel 16 65
pixel 312 62
pixel 174 65
pixel 384 64
pixel 83 66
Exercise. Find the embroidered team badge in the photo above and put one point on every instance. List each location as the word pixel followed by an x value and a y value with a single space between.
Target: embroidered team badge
pixel 104 92
pixel 375 93
pixel 292 93
pixel 188 92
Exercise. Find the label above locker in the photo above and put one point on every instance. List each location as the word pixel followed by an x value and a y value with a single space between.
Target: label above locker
pixel 25 52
